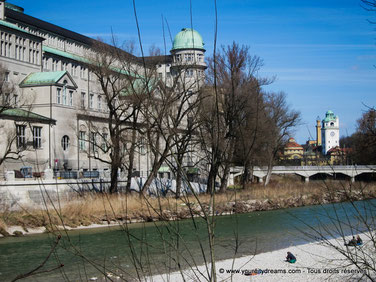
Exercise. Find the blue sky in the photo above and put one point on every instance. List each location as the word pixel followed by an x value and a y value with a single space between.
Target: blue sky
pixel 322 52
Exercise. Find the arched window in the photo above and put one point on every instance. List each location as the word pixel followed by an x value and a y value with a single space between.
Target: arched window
pixel 65 142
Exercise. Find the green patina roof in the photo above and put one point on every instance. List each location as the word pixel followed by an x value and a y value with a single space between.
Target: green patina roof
pixel 42 78
pixel 188 38
pixel 329 116
pixel 164 169
pixel 140 86
pixel 20 114
pixel 81 59
pixel 13 26
pixel 192 170
pixel 64 54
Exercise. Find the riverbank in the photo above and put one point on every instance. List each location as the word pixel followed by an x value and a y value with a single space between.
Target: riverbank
pixel 315 262
pixel 169 242
pixel 101 210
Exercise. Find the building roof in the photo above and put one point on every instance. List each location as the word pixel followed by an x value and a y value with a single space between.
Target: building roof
pixel 29 20
pixel 153 60
pixel 329 116
pixel 16 16
pixel 23 115
pixel 65 54
pixel 292 144
pixel 337 150
pixel 188 38
pixel 42 78
pixel 14 7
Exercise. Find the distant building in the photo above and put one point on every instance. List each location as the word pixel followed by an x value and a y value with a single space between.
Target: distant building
pixel 318 132
pixel 339 156
pixel 292 150
pixel 330 132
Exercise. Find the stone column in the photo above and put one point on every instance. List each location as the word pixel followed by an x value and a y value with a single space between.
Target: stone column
pixel 9 175
pixel 48 174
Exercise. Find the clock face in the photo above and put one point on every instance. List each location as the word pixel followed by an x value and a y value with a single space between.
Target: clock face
pixel 332 133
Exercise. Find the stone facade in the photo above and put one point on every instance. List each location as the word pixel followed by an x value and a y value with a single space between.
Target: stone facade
pixel 48 66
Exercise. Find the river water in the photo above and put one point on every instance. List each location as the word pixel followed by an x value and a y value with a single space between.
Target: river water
pixel 154 247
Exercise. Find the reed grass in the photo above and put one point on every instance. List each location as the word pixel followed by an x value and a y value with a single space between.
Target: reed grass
pixel 100 208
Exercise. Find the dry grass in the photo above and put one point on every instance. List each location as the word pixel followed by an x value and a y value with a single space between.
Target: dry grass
pixel 99 208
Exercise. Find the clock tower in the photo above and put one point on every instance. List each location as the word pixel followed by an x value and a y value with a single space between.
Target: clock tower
pixel 330 132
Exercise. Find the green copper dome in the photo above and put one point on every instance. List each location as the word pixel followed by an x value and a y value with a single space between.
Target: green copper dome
pixel 188 38
pixel 329 116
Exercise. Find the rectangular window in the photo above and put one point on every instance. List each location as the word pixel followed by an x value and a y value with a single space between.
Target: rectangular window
pixel 70 98
pixel 7 99
pixel 83 98
pixel 37 137
pixel 21 138
pixel 99 102
pixel 82 140
pixel 189 73
pixel 15 100
pixel 188 57
pixel 58 96
pixel 83 71
pixel 91 101
pixel 64 96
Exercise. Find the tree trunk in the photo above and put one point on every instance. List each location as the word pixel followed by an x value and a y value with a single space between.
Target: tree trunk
pixel 154 171
pixel 224 178
pixel 211 178
pixel 179 174
pixel 178 183
pixel 114 179
pixel 115 163
pixel 246 175
pixel 131 162
pixel 269 173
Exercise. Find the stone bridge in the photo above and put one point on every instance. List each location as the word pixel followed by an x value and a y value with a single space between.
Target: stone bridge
pixel 307 171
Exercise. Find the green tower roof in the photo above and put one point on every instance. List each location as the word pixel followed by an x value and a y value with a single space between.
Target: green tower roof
pixel 329 116
pixel 188 38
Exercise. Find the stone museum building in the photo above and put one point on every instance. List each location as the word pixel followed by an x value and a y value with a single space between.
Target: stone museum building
pixel 51 94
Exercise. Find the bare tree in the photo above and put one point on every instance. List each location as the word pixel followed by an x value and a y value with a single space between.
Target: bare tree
pixel 280 120
pixel 116 72
pixel 230 104
pixel 170 117
pixel 363 141
pixel 12 109
pixel 251 137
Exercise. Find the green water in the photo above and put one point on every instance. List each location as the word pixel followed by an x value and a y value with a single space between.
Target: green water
pixel 87 253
